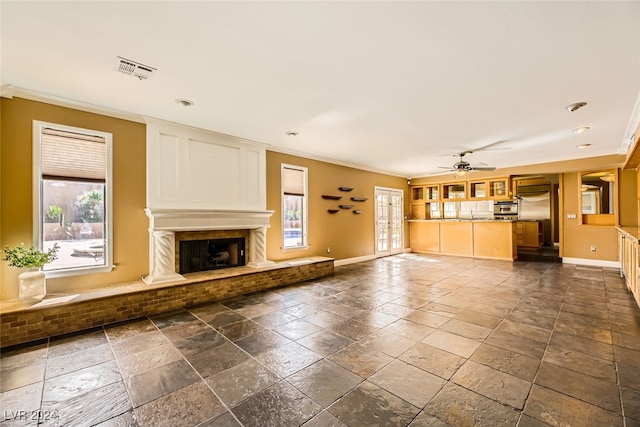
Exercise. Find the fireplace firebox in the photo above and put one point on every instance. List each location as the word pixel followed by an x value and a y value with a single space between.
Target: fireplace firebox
pixel 211 254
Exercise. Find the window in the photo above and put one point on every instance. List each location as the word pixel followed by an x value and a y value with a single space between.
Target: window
pixel 294 207
pixel 72 197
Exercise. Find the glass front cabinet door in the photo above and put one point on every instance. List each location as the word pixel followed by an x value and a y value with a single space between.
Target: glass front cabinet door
pixel 499 189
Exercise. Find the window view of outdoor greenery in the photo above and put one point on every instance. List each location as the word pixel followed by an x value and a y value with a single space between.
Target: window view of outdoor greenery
pixel 293 220
pixel 74 214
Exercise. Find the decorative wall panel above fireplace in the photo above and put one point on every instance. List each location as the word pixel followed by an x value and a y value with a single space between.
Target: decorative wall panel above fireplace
pixel 190 168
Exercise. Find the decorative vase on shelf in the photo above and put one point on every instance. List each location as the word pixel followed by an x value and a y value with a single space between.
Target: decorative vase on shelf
pixel 33 284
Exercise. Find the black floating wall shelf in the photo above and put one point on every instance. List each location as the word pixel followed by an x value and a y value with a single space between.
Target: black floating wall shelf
pixel 324 196
pixel 345 188
pixel 357 212
pixel 346 206
pixel 332 211
pixel 359 199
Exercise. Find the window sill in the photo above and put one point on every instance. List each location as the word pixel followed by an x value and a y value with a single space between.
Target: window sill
pixel 79 271
pixel 295 248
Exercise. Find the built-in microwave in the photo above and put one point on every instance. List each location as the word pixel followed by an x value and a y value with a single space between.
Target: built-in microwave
pixel 505 207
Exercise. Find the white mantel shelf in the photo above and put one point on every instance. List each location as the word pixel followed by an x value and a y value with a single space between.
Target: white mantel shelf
pixel 206 219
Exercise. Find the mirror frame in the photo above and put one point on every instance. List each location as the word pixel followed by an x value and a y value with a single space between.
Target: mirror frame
pixel 610 219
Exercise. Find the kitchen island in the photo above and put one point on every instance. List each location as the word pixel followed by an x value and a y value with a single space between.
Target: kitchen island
pixel 477 238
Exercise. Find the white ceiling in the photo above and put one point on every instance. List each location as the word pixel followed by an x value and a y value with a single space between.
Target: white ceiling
pixel 388 86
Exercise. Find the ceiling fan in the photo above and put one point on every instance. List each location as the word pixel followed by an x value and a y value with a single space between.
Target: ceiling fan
pixel 462 168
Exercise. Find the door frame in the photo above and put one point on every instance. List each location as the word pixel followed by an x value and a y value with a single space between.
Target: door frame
pixel 391 251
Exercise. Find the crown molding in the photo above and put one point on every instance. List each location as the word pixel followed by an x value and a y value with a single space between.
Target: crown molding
pixel 353 165
pixel 630 135
pixel 9 92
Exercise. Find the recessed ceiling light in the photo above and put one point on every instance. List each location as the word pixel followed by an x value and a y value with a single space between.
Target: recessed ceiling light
pixel 184 102
pixel 575 106
pixel 292 133
pixel 583 146
pixel 582 129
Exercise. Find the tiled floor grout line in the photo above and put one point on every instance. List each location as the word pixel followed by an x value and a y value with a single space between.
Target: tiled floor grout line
pixel 115 358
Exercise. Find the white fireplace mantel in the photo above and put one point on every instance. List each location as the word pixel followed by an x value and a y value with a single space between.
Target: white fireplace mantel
pixel 203 219
pixel 163 223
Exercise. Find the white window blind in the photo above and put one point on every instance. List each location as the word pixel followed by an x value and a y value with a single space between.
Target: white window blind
pixel 73 155
pixel 293 181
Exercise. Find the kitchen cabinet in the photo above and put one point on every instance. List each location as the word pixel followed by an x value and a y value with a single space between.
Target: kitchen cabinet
pixel 425 193
pixel 424 200
pixel 630 260
pixel 417 194
pixel 424 236
pixel 457 191
pixel 499 188
pixel 418 211
pixel 470 238
pixel 456 238
pixel 495 240
pixel 529 234
pixel 477 190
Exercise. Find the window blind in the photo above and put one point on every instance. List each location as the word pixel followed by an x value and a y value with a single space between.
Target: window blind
pixel 73 155
pixel 293 181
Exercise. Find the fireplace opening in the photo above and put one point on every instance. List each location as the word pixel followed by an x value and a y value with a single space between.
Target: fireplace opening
pixel 211 254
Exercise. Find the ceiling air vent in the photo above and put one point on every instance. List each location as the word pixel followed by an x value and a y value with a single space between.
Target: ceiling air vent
pixel 133 68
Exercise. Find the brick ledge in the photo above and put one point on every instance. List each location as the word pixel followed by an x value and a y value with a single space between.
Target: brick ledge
pixel 22 322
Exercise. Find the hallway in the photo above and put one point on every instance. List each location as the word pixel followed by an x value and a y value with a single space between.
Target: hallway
pixel 404 340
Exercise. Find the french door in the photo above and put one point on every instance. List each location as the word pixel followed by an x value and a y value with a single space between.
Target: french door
pixel 389 221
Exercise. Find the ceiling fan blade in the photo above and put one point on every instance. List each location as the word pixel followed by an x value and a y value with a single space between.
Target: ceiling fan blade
pixel 445 167
pixel 442 172
pixel 488 168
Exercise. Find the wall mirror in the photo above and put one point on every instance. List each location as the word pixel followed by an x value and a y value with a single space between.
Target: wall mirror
pixel 598 197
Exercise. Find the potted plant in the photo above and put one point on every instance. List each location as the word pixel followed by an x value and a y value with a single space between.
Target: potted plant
pixel 32 280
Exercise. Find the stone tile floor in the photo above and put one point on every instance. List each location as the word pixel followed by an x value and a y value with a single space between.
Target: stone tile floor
pixel 405 340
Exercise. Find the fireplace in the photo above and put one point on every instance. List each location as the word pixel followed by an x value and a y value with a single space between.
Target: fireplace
pixel 167 228
pixel 211 254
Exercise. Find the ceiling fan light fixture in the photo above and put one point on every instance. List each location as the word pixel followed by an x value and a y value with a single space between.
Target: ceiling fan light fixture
pixel 461 172
pixel 575 106
pixel 582 129
pixel 184 102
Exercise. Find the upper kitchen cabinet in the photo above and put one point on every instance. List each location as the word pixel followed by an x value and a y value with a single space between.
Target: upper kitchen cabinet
pixel 423 201
pixel 432 192
pixel 599 197
pixel 425 193
pixel 457 191
pixel 417 194
pixel 499 188
pixel 478 190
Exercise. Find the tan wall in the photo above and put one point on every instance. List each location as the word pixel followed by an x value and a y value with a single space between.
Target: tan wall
pixel 576 239
pixel 347 235
pixel 130 223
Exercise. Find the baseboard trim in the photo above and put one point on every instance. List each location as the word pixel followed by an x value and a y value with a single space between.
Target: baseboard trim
pixel 591 262
pixel 346 261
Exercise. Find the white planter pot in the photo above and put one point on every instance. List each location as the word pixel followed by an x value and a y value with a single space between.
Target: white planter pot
pixel 33 284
